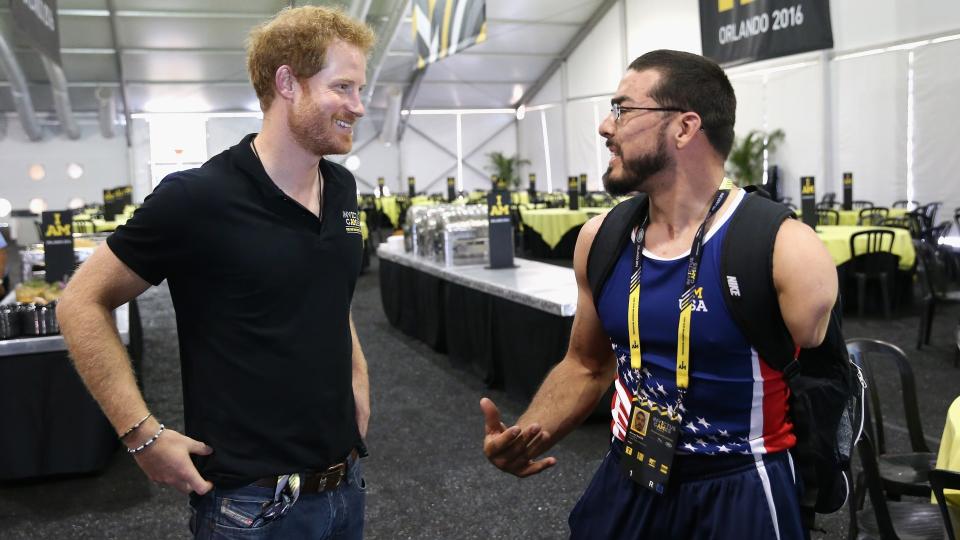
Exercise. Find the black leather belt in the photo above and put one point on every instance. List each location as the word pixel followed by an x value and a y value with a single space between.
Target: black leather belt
pixel 316 482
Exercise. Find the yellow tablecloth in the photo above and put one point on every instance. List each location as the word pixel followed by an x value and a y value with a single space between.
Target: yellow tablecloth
pixel 389 207
pixel 552 223
pixel 850 217
pixel 949 458
pixel 837 240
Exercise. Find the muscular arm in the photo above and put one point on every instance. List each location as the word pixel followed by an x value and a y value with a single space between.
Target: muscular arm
pixel 361 383
pixel 86 321
pixel 101 284
pixel 570 391
pixel 806 281
pixel 573 387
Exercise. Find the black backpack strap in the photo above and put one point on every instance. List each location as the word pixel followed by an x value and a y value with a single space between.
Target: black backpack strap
pixel 612 236
pixel 747 268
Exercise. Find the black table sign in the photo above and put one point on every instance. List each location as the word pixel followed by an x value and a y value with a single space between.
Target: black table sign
pixel 57 229
pixel 848 191
pixel 451 189
pixel 500 232
pixel 573 192
pixel 808 201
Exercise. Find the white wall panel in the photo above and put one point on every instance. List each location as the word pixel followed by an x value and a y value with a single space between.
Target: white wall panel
pixel 655 24
pixel 750 102
pixel 104 162
pixel 531 148
pixel 863 23
pixel 870 124
pixel 586 151
pixel 596 66
pixel 795 105
pixel 376 160
pixel 477 143
pixel 222 133
pixel 558 159
pixel 422 158
pixel 550 93
pixel 937 115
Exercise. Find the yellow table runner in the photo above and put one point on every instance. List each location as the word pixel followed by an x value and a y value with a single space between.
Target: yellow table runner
pixel 837 240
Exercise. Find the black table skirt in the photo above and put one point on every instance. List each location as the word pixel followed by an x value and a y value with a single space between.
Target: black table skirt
pixel 534 246
pixel 50 423
pixel 509 345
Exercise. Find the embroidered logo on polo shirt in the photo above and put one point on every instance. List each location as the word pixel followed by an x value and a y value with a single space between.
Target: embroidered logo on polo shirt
pixel 351 222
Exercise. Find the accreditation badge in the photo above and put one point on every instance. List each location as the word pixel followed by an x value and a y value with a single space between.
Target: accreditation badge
pixel 649 446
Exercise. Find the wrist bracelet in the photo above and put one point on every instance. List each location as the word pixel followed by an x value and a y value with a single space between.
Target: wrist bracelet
pixel 135 426
pixel 144 446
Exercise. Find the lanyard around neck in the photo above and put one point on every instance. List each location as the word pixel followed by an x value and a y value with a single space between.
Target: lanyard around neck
pixel 686 304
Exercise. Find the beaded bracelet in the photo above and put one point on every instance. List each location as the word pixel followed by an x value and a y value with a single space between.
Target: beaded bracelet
pixel 144 446
pixel 135 426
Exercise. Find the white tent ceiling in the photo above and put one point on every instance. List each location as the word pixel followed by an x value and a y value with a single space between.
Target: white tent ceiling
pixel 188 56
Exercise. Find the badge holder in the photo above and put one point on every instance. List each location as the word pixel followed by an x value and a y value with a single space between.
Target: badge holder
pixel 650 445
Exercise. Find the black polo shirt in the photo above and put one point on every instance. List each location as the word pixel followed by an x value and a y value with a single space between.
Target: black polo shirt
pixel 262 291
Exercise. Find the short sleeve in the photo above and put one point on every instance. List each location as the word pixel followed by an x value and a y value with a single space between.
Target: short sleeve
pixel 152 242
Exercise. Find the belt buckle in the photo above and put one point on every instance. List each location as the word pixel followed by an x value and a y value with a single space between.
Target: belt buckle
pixel 337 470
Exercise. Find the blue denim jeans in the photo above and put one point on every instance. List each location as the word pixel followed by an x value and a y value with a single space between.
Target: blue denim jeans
pixel 331 515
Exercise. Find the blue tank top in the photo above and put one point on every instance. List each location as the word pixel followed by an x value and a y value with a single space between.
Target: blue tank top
pixel 735 402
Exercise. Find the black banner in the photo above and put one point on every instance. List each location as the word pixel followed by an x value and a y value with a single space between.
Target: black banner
pixel 532 187
pixel 573 192
pixel 583 185
pixel 57 227
pixel 380 183
pixel 741 31
pixel 500 232
pixel 808 201
pixel 848 191
pixel 412 186
pixel 38 23
pixel 115 200
pixel 451 189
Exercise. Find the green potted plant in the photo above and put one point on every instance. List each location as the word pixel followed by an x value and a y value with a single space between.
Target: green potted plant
pixel 745 162
pixel 506 167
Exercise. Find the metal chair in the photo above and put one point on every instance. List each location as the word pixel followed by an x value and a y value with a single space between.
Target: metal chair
pixel 930 210
pixel 861 205
pixel 871 256
pixel 826 216
pixel 940 480
pixel 935 291
pixel 828 205
pixel 905 204
pixel 886 519
pixel 900 473
pixel 873 216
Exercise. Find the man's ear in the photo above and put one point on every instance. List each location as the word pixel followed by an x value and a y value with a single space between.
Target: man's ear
pixel 284 81
pixel 690 125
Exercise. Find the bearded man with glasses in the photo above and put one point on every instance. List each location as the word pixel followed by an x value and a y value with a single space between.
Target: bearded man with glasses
pixel 700 433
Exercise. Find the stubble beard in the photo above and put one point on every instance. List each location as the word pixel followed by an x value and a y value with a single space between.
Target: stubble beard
pixel 637 171
pixel 313 129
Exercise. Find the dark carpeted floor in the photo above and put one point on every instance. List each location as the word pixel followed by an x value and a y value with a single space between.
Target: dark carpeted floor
pixel 427 476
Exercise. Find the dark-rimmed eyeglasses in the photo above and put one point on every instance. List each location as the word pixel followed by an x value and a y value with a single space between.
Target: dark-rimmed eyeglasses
pixel 617 109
